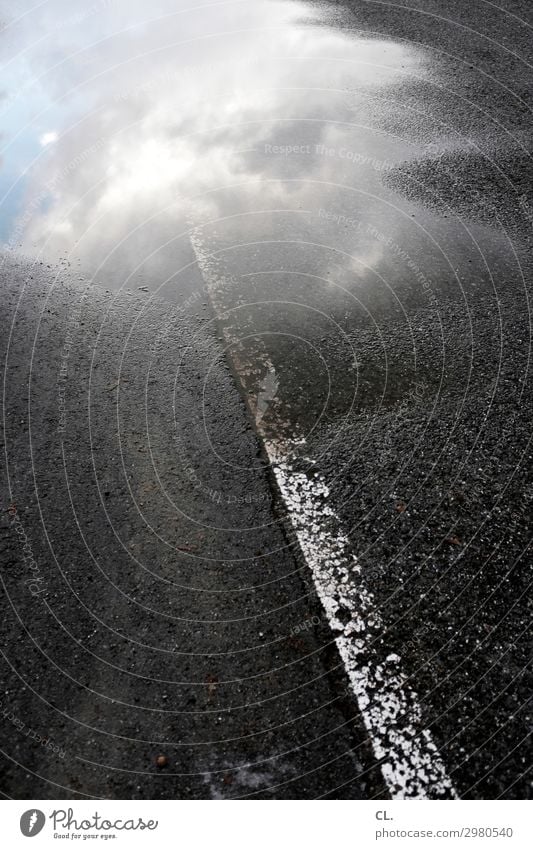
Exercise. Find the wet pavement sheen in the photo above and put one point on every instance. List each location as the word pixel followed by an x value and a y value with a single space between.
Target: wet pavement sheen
pixel 305 178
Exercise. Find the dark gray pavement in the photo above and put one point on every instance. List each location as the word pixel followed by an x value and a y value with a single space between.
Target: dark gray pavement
pixel 333 200
pixel 453 567
pixel 392 302
pixel 150 605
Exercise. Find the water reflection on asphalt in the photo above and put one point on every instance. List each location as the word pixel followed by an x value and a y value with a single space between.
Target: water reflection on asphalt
pixel 118 120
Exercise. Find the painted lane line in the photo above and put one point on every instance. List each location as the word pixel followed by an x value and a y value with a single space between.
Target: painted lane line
pixel 409 759
pixel 410 762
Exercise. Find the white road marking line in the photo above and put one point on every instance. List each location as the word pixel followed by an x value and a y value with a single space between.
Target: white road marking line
pixel 410 761
pixel 412 767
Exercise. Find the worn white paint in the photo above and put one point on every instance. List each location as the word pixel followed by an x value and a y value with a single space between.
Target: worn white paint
pixel 409 759
pixel 411 766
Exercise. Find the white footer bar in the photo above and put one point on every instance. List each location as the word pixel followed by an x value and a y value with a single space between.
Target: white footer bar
pixel 277 825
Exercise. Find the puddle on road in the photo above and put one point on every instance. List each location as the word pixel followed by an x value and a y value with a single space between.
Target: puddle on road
pixel 117 121
pixel 245 150
pixel 271 132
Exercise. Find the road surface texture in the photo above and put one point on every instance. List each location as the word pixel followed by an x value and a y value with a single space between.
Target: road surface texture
pixel 267 400
pixel 152 606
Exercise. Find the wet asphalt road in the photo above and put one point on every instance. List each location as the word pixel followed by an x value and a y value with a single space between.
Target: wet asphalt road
pixel 332 223
pixel 152 608
pixel 453 568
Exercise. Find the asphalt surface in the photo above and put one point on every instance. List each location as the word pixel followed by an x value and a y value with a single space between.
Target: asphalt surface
pixel 151 607
pixel 453 568
pixel 275 491
pixel 412 389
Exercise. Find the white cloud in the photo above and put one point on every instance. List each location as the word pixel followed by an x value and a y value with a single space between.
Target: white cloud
pixel 48 138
